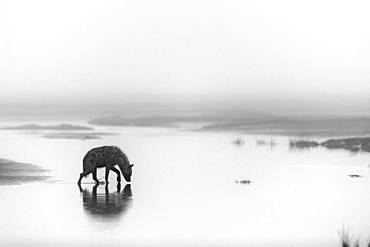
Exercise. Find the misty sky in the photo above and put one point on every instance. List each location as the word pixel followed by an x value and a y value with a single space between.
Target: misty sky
pixel 106 51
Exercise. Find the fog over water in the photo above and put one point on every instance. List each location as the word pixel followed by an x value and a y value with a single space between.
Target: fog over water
pixel 265 55
pixel 219 109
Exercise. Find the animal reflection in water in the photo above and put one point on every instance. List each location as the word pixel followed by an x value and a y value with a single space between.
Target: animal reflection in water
pixel 103 204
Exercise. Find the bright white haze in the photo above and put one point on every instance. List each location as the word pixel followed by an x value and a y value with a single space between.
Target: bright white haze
pixel 106 51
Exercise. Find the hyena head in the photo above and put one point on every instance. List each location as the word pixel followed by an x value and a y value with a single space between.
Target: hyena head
pixel 127 172
pixel 125 166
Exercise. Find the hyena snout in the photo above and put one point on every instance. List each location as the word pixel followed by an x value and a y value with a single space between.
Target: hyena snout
pixel 128 172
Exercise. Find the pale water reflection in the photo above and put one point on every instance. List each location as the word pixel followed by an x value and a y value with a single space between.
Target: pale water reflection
pixel 105 205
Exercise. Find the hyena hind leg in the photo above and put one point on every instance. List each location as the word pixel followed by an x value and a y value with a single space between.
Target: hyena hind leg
pixel 94 176
pixel 106 174
pixel 83 174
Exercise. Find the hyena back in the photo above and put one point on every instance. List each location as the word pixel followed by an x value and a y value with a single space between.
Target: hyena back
pixel 108 157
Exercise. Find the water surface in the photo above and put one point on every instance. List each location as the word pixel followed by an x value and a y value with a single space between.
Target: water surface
pixel 183 192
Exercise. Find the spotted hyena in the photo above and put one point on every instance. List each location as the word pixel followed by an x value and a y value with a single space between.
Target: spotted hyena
pixel 108 157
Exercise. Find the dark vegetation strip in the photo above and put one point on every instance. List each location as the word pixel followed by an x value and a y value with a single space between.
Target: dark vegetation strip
pixel 356 144
pixel 78 135
pixel 59 127
pixel 12 172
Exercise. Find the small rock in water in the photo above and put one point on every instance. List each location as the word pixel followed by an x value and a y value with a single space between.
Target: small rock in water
pixel 239 142
pixel 243 181
pixel 355 176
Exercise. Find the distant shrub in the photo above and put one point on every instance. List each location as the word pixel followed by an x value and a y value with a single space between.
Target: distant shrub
pixel 301 144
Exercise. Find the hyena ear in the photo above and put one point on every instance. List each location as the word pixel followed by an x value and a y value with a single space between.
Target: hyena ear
pixel 131 165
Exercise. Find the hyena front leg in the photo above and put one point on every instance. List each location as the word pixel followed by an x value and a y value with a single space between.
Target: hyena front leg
pixel 94 176
pixel 118 174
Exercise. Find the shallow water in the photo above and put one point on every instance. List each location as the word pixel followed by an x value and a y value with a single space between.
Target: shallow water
pixel 183 192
